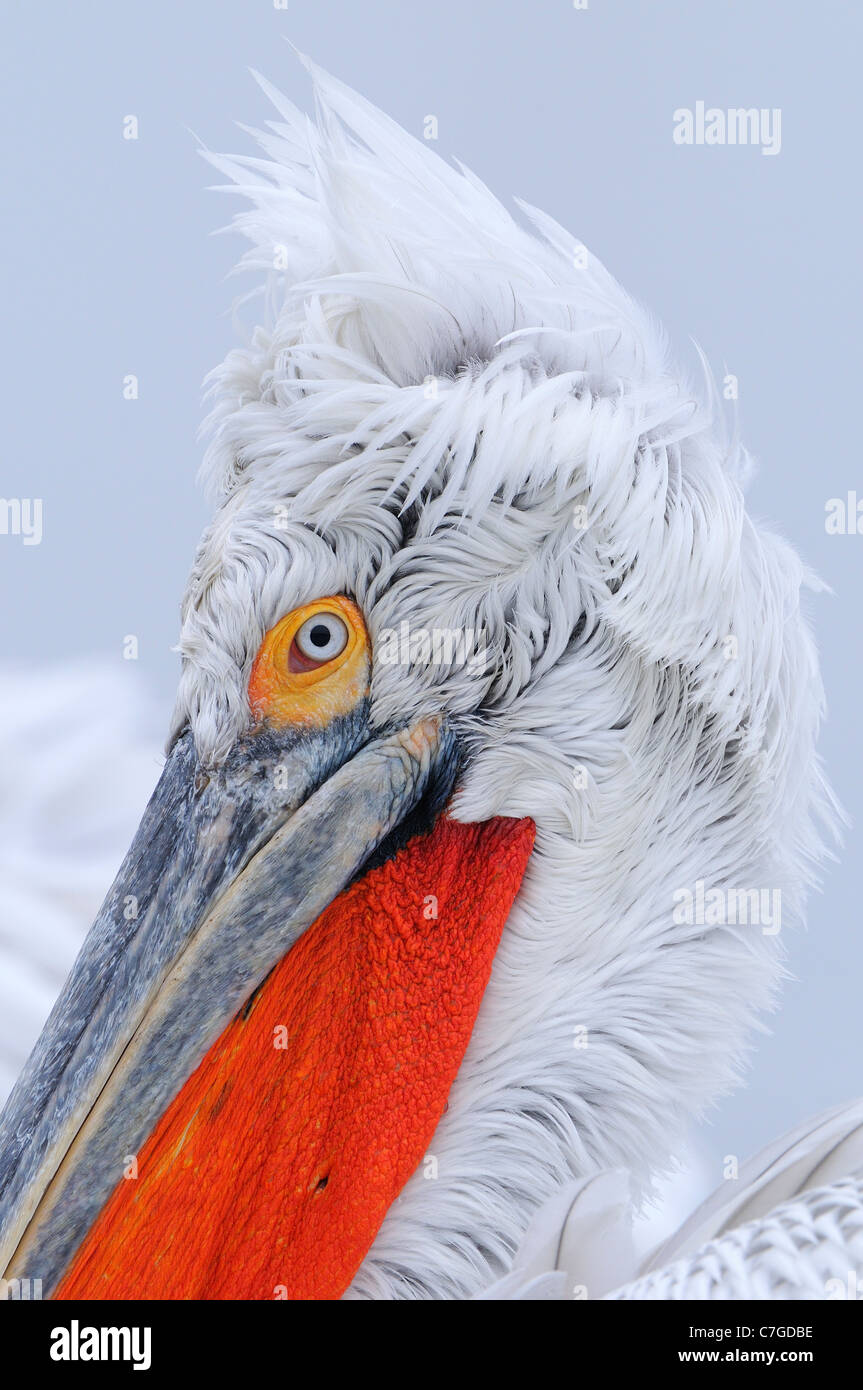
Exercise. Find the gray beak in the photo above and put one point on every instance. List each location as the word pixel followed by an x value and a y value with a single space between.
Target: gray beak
pixel 226 871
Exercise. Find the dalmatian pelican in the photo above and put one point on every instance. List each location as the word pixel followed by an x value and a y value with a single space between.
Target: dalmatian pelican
pixel 484 665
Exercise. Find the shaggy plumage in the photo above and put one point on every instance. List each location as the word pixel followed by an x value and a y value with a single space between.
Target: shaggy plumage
pixel 463 422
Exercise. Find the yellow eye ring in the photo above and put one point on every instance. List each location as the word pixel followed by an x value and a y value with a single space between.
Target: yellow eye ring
pixel 312 666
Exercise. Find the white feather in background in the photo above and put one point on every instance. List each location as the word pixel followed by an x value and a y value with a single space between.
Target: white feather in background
pixel 79 757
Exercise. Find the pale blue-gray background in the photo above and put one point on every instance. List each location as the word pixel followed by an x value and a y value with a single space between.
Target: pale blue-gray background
pixel 109 268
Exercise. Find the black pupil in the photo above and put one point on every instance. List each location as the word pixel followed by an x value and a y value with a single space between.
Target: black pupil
pixel 319 635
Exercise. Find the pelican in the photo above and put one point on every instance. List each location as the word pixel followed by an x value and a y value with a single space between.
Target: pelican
pixel 495 725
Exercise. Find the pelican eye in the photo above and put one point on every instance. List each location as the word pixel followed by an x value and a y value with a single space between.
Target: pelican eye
pixel 312 666
pixel 321 638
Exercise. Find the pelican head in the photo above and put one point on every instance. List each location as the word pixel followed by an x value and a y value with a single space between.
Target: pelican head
pixel 485 668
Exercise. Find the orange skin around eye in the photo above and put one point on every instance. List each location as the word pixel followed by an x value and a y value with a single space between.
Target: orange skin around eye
pixel 284 693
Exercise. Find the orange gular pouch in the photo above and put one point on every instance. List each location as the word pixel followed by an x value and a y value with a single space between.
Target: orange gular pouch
pixel 271 1171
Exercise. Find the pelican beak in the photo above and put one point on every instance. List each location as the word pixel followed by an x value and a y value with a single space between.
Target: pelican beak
pixel 226 872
